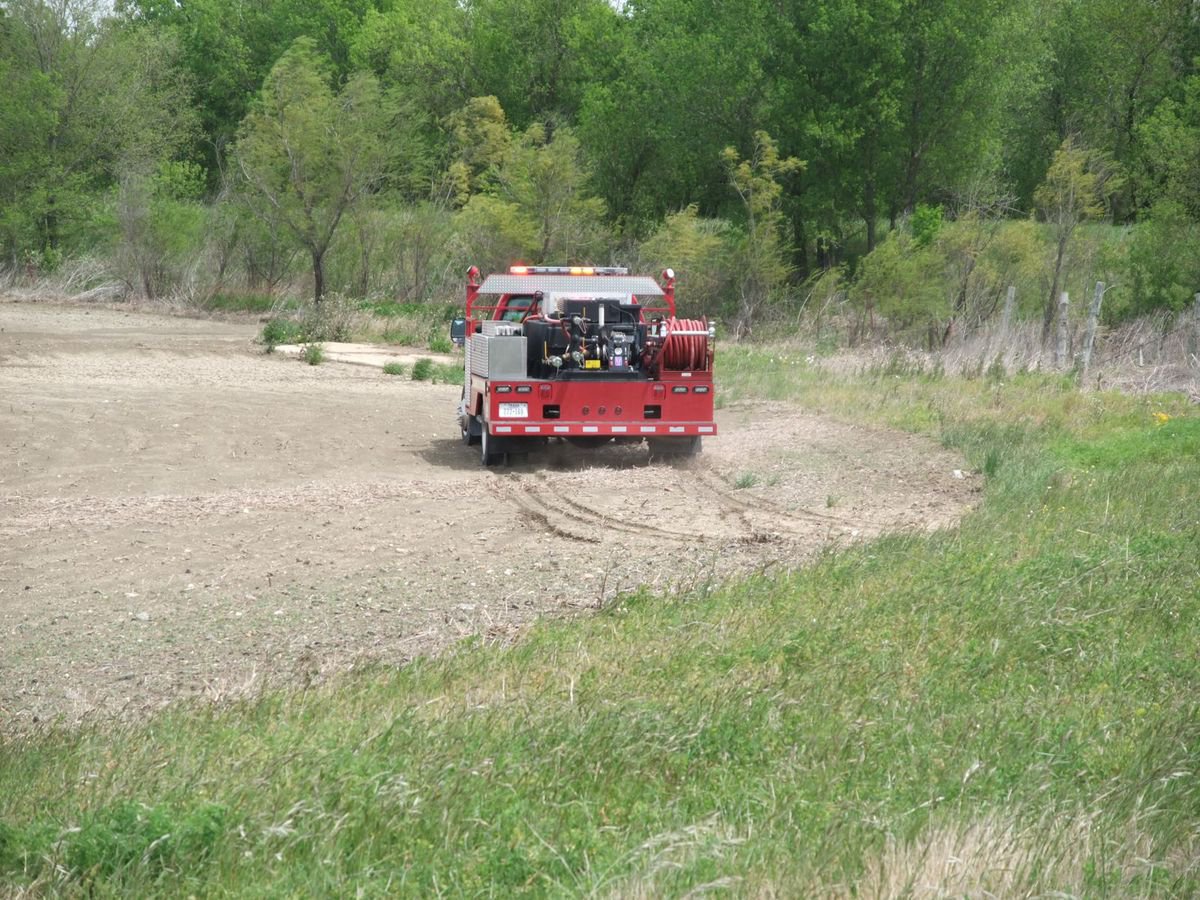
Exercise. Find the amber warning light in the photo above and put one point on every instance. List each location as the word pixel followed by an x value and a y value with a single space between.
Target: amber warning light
pixel 567 270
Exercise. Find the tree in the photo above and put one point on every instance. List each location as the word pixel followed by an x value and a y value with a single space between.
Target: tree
pixel 1169 164
pixel 99 100
pixel 229 46
pixel 1075 190
pixel 547 179
pixel 530 186
pixel 762 266
pixel 538 56
pixel 161 222
pixel 700 251
pixel 689 80
pixel 310 154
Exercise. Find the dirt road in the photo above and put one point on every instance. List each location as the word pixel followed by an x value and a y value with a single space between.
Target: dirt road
pixel 181 514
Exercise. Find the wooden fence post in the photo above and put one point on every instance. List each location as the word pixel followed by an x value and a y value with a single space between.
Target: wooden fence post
pixel 1093 321
pixel 1060 350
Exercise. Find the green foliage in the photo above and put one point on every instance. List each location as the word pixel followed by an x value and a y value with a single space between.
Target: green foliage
pixel 280 330
pixel 496 231
pixel 394 368
pixel 761 262
pixel 745 480
pixel 244 303
pixel 1077 185
pixel 904 283
pixel 524 195
pixel 76 116
pixel 1163 262
pixel 313 354
pixel 700 251
pixel 422 369
pixel 425 369
pixel 539 58
pixel 310 155
pixel 162 223
pixel 389 144
pixel 1170 157
pixel 925 224
pixel 440 343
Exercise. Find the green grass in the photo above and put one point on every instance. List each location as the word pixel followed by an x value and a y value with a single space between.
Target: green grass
pixel 745 480
pixel 1019 693
pixel 425 369
pixel 313 354
pixel 394 368
pixel 248 303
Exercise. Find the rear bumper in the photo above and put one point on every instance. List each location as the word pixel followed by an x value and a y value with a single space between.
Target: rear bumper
pixel 601 429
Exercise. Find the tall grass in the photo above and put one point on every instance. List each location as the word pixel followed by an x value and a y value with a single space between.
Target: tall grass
pixel 1007 708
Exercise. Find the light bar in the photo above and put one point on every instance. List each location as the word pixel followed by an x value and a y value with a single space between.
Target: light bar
pixel 567 270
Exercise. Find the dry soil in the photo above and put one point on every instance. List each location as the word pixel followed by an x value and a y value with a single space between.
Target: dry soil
pixel 182 514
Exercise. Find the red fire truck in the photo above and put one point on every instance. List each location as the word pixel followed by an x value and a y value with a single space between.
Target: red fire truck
pixel 585 354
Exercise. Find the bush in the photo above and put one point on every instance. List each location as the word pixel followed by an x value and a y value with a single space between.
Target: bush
pixel 313 354
pixel 440 343
pixel 280 331
pixel 393 368
pixel 1163 264
pixel 333 319
pixel 423 369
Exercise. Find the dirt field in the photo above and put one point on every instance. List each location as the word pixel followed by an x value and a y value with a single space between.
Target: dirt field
pixel 181 514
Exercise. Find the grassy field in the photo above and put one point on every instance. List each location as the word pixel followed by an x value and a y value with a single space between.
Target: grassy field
pixel 1007 707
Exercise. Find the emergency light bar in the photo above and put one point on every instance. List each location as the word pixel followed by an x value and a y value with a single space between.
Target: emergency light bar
pixel 567 270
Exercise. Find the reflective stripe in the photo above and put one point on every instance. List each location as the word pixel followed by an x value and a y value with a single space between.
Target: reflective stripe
pixel 502 428
pixel 533 429
pixel 561 429
pixel 676 429
pixel 649 429
pixel 589 429
pixel 706 429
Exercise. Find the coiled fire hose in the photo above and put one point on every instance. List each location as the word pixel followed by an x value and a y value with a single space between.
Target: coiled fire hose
pixel 685 347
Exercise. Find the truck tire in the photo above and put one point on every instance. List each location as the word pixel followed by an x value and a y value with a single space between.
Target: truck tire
pixel 467 423
pixel 487 456
pixel 469 426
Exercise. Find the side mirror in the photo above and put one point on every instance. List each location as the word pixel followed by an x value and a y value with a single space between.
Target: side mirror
pixel 458 331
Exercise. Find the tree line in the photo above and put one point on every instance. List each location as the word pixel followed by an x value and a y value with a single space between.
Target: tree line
pixel 918 152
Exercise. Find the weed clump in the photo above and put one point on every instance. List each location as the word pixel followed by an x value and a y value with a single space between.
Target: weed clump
pixel 745 480
pixel 423 369
pixel 280 330
pixel 313 354
pixel 393 368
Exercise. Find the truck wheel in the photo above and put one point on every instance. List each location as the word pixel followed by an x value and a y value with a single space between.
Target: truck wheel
pixel 470 429
pixel 487 456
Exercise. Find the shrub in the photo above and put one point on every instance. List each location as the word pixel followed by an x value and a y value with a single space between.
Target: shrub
pixel 313 354
pixel 280 331
pixel 393 368
pixel 440 343
pixel 422 369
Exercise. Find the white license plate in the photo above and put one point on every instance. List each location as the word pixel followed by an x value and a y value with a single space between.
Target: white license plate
pixel 514 410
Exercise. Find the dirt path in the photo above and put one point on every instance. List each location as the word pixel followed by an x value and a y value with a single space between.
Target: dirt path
pixel 181 514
